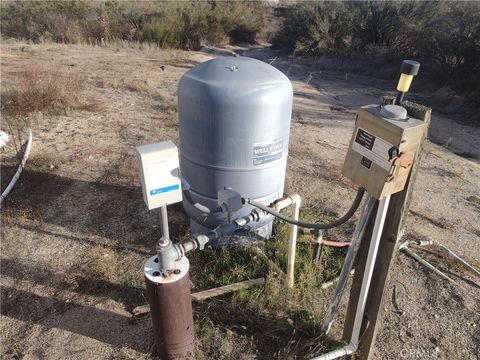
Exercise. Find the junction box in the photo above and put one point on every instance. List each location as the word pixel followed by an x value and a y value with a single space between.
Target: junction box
pixel 159 174
pixel 382 149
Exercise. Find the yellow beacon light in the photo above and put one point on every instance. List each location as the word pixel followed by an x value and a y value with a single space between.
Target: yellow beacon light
pixel 408 70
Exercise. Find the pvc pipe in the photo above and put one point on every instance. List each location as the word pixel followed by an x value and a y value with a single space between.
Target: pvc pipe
pixel 19 170
pixel 281 204
pixel 344 351
pixel 318 226
pixel 292 241
pixel 370 264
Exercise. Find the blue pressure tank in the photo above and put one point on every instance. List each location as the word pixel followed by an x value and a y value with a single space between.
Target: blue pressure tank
pixel 234 115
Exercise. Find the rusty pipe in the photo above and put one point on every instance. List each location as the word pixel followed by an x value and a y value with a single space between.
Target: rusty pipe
pixel 170 303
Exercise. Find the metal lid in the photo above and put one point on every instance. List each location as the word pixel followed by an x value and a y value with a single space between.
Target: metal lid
pixel 409 67
pixel 393 112
pixel 151 271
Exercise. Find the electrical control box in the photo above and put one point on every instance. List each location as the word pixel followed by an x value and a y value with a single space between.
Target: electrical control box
pixel 382 149
pixel 159 174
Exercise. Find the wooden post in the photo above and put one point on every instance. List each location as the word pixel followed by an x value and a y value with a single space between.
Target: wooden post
pixel 388 248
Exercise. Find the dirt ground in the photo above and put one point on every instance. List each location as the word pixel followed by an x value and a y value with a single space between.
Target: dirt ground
pixel 75 231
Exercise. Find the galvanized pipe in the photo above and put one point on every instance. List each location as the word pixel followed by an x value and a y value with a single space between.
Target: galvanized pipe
pixel 164 222
pixel 424 262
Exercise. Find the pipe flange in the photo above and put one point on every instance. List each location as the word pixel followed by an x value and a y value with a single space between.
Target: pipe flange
pixel 153 274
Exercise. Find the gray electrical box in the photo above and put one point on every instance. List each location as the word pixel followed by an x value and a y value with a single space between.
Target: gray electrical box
pixel 382 149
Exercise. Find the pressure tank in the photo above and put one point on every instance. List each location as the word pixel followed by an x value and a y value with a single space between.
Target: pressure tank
pixel 234 115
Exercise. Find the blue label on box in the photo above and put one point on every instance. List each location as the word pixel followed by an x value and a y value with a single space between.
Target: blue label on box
pixel 164 189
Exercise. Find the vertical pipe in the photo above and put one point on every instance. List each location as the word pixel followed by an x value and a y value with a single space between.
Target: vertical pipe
pixel 370 264
pixel 349 260
pixel 317 250
pixel 399 97
pixel 292 243
pixel 164 222
pixel 171 309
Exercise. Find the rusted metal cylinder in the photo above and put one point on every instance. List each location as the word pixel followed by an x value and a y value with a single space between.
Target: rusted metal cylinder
pixel 171 309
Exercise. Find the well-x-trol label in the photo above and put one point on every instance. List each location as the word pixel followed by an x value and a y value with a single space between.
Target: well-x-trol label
pixel 267 151
pixel 373 148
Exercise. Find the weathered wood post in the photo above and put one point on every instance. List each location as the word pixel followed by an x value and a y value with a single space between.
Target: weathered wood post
pixel 388 249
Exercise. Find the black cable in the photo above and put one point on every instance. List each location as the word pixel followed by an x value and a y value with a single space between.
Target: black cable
pixel 317 226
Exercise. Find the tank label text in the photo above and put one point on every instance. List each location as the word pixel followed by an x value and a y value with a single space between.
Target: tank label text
pixel 266 152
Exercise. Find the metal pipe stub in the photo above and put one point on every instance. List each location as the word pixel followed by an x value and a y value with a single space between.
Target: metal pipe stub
pixel 171 309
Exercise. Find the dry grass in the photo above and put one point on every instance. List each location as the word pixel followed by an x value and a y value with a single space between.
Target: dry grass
pixel 138 85
pixel 39 90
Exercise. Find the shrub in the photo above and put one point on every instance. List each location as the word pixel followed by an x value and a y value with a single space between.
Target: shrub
pixel 322 28
pixel 167 23
pixel 40 90
pixel 189 25
pixel 443 35
pixel 451 42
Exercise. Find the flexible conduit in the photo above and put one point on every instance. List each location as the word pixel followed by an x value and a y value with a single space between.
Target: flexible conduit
pixel 19 170
pixel 317 226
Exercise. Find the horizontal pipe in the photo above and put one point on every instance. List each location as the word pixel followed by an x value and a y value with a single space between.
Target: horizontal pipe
pixel 425 263
pixel 327 284
pixel 335 243
pixel 343 351
pixel 222 290
pixel 286 201
pixel 463 262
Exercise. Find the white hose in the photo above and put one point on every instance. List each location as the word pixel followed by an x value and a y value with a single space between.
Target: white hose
pixel 19 170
